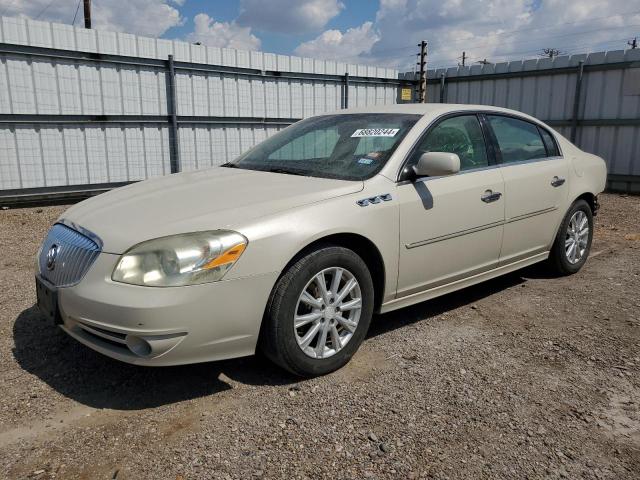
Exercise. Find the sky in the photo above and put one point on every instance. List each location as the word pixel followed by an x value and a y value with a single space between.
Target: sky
pixel 377 32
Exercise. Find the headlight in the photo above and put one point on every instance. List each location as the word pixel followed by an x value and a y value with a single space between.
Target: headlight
pixel 178 260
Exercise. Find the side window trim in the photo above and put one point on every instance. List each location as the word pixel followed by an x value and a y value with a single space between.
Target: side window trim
pixel 470 113
pixel 558 153
pixel 495 157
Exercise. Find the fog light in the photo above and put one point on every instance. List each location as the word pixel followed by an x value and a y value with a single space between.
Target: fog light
pixel 138 345
pixel 153 345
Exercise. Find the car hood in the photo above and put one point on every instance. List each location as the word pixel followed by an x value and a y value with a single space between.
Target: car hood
pixel 195 201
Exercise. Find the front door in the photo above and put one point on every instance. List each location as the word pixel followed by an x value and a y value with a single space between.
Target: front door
pixel 451 226
pixel 536 186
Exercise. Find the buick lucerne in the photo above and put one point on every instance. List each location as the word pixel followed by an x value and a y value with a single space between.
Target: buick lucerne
pixel 293 246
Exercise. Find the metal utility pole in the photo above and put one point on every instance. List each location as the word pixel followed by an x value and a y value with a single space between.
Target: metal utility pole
pixel 87 13
pixel 464 59
pixel 550 52
pixel 633 43
pixel 576 102
pixel 484 62
pixel 422 81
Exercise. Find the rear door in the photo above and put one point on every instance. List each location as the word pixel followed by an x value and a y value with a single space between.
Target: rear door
pixel 536 185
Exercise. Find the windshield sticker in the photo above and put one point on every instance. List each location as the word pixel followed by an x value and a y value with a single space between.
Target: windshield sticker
pixel 366 161
pixel 375 132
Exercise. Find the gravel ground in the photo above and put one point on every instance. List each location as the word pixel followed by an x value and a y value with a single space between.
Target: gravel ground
pixel 526 376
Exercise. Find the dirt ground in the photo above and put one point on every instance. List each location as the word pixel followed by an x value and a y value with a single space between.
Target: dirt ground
pixel 526 376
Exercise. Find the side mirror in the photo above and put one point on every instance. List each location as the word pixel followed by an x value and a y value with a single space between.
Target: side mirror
pixel 436 164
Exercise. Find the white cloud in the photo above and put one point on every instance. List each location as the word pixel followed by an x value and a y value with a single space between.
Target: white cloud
pixel 222 34
pixel 288 16
pixel 142 17
pixel 348 46
pixel 498 30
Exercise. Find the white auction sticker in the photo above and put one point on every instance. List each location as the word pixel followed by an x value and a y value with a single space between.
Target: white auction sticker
pixel 375 132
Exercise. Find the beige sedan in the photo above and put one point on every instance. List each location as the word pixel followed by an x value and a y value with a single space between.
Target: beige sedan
pixel 293 246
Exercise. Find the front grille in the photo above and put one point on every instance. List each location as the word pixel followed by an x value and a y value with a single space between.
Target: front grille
pixel 74 254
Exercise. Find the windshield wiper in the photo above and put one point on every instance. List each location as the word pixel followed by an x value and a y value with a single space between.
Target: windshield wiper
pixel 286 171
pixel 229 165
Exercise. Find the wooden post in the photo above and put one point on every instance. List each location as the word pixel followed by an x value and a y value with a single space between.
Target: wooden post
pixel 422 81
pixel 87 13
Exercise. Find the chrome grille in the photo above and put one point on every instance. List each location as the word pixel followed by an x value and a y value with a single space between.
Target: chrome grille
pixel 75 254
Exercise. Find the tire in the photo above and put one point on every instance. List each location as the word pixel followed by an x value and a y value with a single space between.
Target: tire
pixel 565 262
pixel 285 345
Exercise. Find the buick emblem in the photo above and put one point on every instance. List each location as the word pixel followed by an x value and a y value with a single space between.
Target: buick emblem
pixel 52 254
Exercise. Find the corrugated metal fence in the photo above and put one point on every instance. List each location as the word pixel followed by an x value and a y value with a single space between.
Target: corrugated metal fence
pixel 593 99
pixel 92 109
pixel 85 109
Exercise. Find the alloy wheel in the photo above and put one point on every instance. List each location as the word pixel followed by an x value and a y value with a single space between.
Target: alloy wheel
pixel 577 237
pixel 327 312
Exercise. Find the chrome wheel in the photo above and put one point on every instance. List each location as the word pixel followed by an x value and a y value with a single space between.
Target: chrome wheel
pixel 577 237
pixel 327 312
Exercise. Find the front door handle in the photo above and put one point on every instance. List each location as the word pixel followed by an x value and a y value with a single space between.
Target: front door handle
pixel 557 181
pixel 490 196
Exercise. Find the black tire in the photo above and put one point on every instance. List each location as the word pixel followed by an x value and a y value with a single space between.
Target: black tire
pixel 558 258
pixel 278 339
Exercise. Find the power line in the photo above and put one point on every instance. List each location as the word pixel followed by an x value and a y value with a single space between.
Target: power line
pixel 545 37
pixel 582 46
pixel 529 40
pixel 550 52
pixel 536 50
pixel 587 20
pixel 566 49
pixel 44 9
pixel 76 14
pixel 7 7
pixel 520 30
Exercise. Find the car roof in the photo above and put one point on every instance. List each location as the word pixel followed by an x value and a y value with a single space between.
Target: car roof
pixel 430 109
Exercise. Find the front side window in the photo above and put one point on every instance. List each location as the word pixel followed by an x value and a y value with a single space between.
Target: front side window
pixel 518 140
pixel 461 135
pixel 347 147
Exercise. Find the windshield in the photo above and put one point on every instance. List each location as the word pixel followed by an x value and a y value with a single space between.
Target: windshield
pixel 347 147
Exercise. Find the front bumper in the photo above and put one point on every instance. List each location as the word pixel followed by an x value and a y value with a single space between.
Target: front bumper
pixel 164 326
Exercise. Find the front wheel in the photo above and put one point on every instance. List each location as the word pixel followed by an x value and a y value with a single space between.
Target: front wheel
pixel 573 241
pixel 319 312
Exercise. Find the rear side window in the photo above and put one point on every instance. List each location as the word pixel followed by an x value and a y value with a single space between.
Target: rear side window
pixel 518 140
pixel 550 143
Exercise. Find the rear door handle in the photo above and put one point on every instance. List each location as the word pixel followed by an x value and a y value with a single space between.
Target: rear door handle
pixel 490 196
pixel 557 181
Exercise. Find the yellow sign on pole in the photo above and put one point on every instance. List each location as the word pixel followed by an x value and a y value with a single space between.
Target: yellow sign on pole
pixel 405 94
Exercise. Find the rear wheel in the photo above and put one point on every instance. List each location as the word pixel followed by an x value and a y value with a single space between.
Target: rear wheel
pixel 573 241
pixel 319 312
